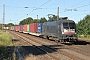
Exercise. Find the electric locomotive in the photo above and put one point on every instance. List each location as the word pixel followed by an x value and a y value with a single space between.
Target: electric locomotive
pixel 62 30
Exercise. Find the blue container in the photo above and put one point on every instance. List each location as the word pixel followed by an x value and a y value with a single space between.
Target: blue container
pixel 39 27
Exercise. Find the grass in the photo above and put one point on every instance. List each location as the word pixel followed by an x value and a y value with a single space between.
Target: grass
pixel 7 49
pixel 6 46
pixel 84 37
pixel 5 38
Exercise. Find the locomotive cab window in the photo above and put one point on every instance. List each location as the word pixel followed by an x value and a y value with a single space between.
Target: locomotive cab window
pixel 72 25
pixel 66 25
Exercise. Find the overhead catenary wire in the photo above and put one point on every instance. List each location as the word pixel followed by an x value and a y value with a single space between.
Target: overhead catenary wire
pixel 40 5
pixel 45 3
pixel 36 8
pixel 75 9
pixel 81 10
pixel 83 6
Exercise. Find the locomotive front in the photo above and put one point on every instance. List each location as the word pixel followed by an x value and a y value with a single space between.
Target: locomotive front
pixel 69 30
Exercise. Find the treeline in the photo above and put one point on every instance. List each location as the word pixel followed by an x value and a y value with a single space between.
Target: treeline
pixel 41 20
pixel 83 26
pixel 31 20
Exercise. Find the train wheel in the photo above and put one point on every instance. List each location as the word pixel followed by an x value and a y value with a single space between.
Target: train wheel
pixel 47 37
pixel 62 41
pixel 76 41
pixel 44 37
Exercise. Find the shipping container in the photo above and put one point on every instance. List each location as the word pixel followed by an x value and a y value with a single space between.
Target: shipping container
pixel 34 27
pixel 7 28
pixel 16 28
pixel 10 28
pixel 39 27
pixel 13 27
pixel 21 28
pixel 25 29
pixel 28 28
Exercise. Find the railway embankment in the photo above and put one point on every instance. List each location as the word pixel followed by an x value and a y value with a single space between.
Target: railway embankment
pixel 6 46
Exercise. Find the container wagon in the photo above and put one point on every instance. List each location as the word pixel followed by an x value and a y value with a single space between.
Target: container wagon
pixel 35 29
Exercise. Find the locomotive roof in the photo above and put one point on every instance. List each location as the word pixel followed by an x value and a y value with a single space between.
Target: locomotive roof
pixel 65 20
pixel 58 22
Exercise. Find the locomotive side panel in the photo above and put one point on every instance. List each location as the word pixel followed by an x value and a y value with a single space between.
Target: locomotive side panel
pixel 51 29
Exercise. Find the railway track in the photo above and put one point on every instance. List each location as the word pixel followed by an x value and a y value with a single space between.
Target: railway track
pixel 43 50
pixel 58 51
pixel 81 50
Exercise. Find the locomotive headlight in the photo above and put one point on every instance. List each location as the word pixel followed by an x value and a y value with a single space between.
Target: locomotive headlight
pixel 62 32
pixel 73 29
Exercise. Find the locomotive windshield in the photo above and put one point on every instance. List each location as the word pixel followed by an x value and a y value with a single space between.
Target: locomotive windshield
pixel 68 25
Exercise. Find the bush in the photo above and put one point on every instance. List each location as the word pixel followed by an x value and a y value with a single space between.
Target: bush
pixel 5 38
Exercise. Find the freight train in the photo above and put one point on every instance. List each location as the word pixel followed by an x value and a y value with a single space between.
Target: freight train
pixel 62 30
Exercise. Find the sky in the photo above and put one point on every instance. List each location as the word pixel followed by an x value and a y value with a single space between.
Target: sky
pixel 15 10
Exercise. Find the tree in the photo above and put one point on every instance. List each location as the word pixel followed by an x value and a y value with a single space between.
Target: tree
pixel 29 20
pixel 83 26
pixel 26 21
pixel 52 18
pixel 35 21
pixel 42 20
pixel 10 24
